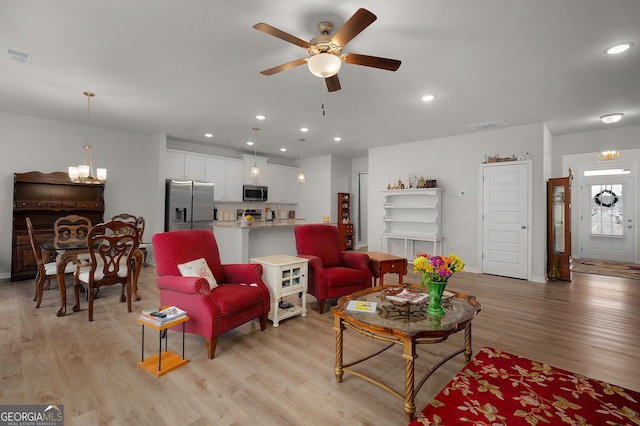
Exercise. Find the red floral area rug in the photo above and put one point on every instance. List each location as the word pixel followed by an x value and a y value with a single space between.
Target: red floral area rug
pixel 498 388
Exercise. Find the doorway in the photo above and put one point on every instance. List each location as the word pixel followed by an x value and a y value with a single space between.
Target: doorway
pixel 607 214
pixel 362 239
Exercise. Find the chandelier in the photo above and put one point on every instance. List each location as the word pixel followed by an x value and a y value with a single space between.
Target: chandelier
pixel 84 172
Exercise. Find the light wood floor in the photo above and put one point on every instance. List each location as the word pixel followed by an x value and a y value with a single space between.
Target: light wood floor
pixel 284 375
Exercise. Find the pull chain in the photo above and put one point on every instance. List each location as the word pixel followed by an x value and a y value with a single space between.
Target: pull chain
pixel 323 84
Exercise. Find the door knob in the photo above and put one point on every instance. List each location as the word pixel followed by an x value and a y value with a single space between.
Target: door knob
pixel 523 227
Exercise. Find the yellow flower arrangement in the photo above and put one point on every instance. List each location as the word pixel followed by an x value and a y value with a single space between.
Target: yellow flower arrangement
pixel 436 268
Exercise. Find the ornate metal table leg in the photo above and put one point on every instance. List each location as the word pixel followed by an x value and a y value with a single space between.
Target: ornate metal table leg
pixel 409 355
pixel 339 328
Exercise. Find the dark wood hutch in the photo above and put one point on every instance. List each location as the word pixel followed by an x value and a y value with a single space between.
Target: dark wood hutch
pixel 44 198
pixel 345 227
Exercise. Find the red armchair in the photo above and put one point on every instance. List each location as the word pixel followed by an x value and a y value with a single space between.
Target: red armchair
pixel 211 311
pixel 333 273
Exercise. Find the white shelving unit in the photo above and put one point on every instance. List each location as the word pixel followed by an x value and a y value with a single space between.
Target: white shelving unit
pixel 412 222
pixel 285 275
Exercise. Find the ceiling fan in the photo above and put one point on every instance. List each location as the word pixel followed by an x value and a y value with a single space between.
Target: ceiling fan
pixel 325 50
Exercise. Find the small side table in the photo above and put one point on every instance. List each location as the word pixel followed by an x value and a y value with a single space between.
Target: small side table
pixel 166 361
pixel 285 275
pixel 383 263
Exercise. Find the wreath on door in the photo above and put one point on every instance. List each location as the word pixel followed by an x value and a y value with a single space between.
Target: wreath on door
pixel 606 198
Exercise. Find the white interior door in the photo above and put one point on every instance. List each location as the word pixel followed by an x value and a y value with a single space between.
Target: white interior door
pixel 505 220
pixel 606 218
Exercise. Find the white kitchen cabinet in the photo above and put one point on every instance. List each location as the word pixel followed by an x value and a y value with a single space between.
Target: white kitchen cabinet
pixel 261 162
pixel 226 174
pixel 181 165
pixel 283 184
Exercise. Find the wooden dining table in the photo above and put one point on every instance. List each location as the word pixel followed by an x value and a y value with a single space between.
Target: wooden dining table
pixel 68 251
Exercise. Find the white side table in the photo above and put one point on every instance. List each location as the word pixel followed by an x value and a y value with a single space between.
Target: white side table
pixel 285 275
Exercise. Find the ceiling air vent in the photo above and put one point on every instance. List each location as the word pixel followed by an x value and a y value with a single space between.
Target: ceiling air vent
pixel 488 125
pixel 16 55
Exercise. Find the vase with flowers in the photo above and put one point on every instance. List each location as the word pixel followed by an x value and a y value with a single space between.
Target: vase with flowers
pixel 436 271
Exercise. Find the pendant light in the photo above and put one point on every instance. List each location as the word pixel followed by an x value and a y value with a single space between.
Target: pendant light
pixel 301 177
pixel 84 172
pixel 255 171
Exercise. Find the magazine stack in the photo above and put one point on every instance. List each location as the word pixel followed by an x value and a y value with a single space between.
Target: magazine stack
pixel 162 316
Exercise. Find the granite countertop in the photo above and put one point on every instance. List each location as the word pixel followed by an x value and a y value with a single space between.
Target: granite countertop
pixel 259 225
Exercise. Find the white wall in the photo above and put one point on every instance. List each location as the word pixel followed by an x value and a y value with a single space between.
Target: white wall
pixel 454 162
pixel 602 140
pixel 36 144
pixel 315 194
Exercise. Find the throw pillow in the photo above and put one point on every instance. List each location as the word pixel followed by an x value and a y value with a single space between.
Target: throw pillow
pixel 198 268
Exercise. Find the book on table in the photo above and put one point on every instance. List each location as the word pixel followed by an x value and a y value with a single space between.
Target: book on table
pixel 407 296
pixel 361 306
pixel 162 316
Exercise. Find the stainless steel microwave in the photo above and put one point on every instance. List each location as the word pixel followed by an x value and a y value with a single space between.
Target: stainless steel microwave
pixel 254 193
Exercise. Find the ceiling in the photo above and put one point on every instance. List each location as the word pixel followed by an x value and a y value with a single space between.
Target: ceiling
pixel 190 67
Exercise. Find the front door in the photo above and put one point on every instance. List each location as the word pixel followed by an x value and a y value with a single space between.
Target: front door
pixel 505 220
pixel 606 213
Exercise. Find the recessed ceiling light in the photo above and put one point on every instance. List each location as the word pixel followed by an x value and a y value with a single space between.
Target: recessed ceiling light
pixel 619 48
pixel 612 118
pixel 209 135
pixel 304 129
pixel 249 143
pixel 337 139
pixel 261 117
pixel 428 98
pixel 283 149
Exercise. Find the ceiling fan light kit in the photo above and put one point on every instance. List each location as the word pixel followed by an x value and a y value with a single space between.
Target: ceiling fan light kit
pixel 325 50
pixel 324 65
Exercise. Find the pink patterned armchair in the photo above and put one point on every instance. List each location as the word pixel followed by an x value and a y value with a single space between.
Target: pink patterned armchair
pixel 240 296
pixel 333 273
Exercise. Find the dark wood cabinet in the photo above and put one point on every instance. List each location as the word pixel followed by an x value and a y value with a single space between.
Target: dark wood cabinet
pixel 559 261
pixel 44 198
pixel 345 227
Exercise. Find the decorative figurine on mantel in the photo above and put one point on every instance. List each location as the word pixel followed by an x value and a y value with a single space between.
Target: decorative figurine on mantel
pixel 407 181
pixel 422 183
pixel 415 181
pixel 400 184
pixel 389 186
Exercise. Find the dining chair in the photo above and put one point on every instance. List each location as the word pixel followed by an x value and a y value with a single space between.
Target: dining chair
pixel 69 229
pixel 111 248
pixel 140 223
pixel 46 270
pixel 140 255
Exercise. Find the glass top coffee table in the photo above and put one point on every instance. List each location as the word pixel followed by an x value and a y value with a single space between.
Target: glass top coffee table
pixel 406 325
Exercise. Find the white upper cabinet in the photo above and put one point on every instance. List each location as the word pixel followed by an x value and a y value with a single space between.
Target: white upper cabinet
pixel 283 184
pixel 226 174
pixel 261 162
pixel 180 165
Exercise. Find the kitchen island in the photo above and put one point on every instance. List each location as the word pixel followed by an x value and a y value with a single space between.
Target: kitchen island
pixel 238 244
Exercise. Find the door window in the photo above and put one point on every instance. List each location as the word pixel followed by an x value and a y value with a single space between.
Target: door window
pixel 606 210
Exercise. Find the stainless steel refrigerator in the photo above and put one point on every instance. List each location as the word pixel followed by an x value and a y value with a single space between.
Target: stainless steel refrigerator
pixel 188 205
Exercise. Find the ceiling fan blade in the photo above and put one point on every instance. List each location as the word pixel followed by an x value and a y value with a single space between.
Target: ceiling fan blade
pixel 372 61
pixel 284 67
pixel 354 26
pixel 333 84
pixel 266 28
